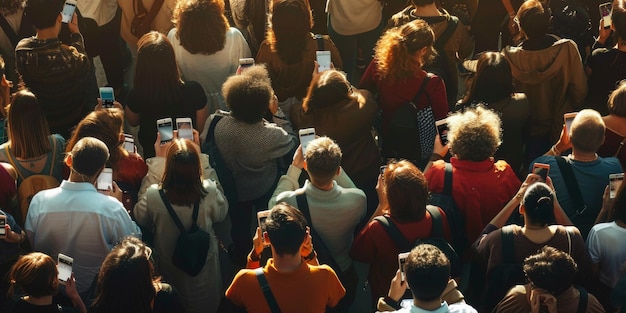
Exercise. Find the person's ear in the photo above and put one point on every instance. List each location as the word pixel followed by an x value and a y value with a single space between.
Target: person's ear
pixel 522 209
pixel 68 160
pixel 60 18
pixel 304 165
pixel 338 171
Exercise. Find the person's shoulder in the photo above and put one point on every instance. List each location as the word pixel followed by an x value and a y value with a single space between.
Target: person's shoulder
pixel 461 307
pixel 601 227
pixel 192 86
pixel 611 162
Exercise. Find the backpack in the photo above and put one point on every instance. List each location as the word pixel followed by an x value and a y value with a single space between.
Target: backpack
pixel 411 131
pixel 226 177
pixel 436 238
pixel 440 64
pixel 445 201
pixel 142 19
pixel 192 246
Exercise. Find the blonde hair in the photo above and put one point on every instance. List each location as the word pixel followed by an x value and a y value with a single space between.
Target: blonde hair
pixel 474 134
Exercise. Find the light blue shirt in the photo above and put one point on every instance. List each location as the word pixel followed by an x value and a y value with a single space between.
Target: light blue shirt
pixel 459 307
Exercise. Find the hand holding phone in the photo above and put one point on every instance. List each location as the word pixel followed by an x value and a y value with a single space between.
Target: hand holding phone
pixel 401 261
pixel 542 170
pixel 306 136
pixel 261 217
pixel 605 13
pixel 164 126
pixel 323 60
pixel 68 11
pixel 615 181
pixel 185 128
pixel 105 180
pixel 129 143
pixel 108 97
pixel 64 267
pixel 442 130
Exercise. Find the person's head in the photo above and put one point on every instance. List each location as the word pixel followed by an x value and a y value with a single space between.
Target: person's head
pixel 125 280
pixel 474 134
pixel 493 80
pixel 402 51
pixel 618 19
pixel 182 179
pixel 88 157
pixel 290 30
pixel 201 25
pixel 422 3
pixel 44 13
pixel 323 158
pixel 106 125
pixel 34 274
pixel 617 100
pixel 534 18
pixel 427 272
pixel 8 7
pixel 619 204
pixel 551 269
pixel 406 189
pixel 248 95
pixel 327 89
pixel 587 131
pixel 157 78
pixel 286 228
pixel 27 126
pixel 538 205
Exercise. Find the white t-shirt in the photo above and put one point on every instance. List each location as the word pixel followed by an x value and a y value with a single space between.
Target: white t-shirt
pixel 607 246
pixel 101 11
pixel 351 17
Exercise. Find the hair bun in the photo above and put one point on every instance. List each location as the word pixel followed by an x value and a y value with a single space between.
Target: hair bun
pixel 544 200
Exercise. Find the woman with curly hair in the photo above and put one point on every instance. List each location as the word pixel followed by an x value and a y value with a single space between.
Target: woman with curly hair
pixel 396 75
pixel 480 186
pixel 289 51
pixel 207 49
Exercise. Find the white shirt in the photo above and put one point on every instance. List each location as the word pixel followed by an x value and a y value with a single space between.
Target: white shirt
pixel 101 11
pixel 459 307
pixel 78 221
pixel 352 17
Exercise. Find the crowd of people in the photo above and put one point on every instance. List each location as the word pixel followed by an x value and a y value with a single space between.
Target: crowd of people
pixel 469 153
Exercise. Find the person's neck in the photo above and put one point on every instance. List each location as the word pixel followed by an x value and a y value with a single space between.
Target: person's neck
pixel 45 300
pixel 78 178
pixel 287 262
pixel 427 10
pixel 583 156
pixel 48 33
pixel 324 187
pixel 427 305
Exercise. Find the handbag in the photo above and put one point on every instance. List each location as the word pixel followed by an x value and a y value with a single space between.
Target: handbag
pixel 142 21
pixel 192 246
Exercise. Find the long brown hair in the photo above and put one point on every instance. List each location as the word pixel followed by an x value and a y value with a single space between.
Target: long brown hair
pixel 201 25
pixel 28 127
pixel 182 179
pixel 290 30
pixel 327 89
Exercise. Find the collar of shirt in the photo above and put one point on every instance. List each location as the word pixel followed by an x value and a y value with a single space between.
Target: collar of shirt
pixel 77 186
pixel 442 309
pixel 472 166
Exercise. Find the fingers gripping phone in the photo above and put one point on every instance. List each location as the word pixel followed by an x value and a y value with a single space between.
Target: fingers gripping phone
pixel 569 118
pixel 129 143
pixel 108 97
pixel 401 261
pixel 306 136
pixel 605 13
pixel 105 180
pixel 541 170
pixel 323 60
pixel 615 181
pixel 64 266
pixel 3 221
pixel 184 127
pixel 442 130
pixel 68 11
pixel 164 126
pixel 262 216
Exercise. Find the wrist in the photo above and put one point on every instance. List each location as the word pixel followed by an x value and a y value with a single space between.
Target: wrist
pixel 392 302
pixel 435 157
pixel 254 256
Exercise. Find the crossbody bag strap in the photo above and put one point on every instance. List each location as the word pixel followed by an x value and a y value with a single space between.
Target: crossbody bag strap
pixel 569 240
pixel 437 221
pixel 54 154
pixel 619 149
pixel 8 30
pixel 572 185
pixel 583 298
pixel 171 211
pixel 267 291
pixel 508 244
pixel 13 161
pixel 447 180
pixel 211 131
pixel 320 42
pixel 394 233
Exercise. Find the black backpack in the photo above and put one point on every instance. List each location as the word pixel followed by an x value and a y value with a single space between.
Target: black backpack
pixel 439 65
pixel 445 201
pixel 226 177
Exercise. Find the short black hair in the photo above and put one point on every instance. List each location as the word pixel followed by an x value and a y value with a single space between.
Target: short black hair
pixel 538 204
pixel 286 227
pixel 43 13
pixel 249 94
pixel 427 272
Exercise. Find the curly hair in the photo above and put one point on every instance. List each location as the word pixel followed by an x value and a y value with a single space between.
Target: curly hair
pixel 617 100
pixel 474 134
pixel 201 25
pixel 8 7
pixel 551 269
pixel 290 30
pixel 397 49
pixel 248 95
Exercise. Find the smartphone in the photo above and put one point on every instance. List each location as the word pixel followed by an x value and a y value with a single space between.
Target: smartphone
pixel 542 170
pixel 615 181
pixel 129 143
pixel 323 60
pixel 401 260
pixel 605 13
pixel 108 97
pixel 568 118
pixel 244 64
pixel 164 126
pixel 64 266
pixel 185 128
pixel 3 221
pixel 68 11
pixel 306 136
pixel 442 130
pixel 105 179
pixel 261 217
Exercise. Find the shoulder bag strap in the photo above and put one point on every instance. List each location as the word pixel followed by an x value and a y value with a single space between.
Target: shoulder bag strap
pixel 172 213
pixel 267 291
pixel 453 22
pixel 508 244
pixel 211 131
pixel 447 180
pixel 54 154
pixel 437 221
pixel 12 161
pixel 419 92
pixel 140 9
pixel 582 300
pixel 394 233
pixel 569 240
pixel 619 149
pixel 303 206
pixel 572 185
pixel 8 30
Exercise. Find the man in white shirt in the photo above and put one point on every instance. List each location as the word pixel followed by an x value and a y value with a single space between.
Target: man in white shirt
pixel 75 219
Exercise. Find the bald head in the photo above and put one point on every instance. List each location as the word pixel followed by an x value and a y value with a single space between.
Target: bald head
pixel 587 131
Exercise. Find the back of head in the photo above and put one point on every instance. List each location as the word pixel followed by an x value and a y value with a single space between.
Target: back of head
pixel 327 89
pixel 201 25
pixel 618 18
pixel 125 282
pixel 538 203
pixel 427 272
pixel 474 134
pixel 105 125
pixel 534 18
pixel 617 100
pixel 493 80
pixel 587 131
pixel 28 127
pixel 290 30
pixel 406 188
pixel 182 179
pixel 89 156
pixel 323 158
pixel 286 228
pixel 34 274
pixel 43 13
pixel 249 94
pixel 551 269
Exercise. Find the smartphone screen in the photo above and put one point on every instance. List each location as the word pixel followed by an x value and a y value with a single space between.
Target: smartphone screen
pixel 64 266
pixel 164 126
pixel 615 181
pixel 401 261
pixel 3 221
pixel 605 13
pixel 244 64
pixel 105 180
pixel 262 216
pixel 442 130
pixel 68 11
pixel 129 143
pixel 541 170
pixel 323 59
pixel 185 128
pixel 108 97
pixel 306 136
pixel 569 118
